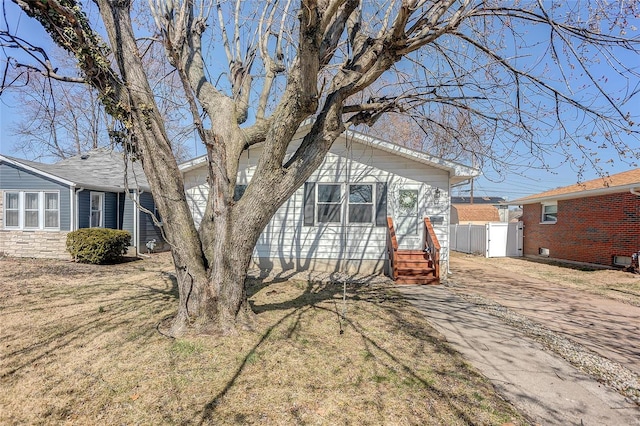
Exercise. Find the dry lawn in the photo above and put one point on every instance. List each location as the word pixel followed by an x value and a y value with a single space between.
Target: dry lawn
pixel 612 283
pixel 79 345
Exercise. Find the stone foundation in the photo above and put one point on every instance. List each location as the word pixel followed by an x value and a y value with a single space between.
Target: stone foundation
pixel 41 244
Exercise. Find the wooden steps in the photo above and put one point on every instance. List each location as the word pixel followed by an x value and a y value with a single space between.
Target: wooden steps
pixel 414 267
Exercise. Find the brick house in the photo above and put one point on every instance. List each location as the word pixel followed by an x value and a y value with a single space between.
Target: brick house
pixel 594 222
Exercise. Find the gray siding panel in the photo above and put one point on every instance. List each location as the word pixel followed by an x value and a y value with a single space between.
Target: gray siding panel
pixel 84 207
pixel 111 210
pixel 128 208
pixel 12 177
pixel 148 231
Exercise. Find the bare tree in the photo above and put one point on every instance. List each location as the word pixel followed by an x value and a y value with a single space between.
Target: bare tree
pixel 59 120
pixel 58 126
pixel 287 62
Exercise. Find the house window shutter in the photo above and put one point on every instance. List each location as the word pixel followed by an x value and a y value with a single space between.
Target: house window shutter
pixel 309 203
pixel 381 204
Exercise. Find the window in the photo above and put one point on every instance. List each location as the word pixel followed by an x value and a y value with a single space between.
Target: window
pixel 622 260
pixel 329 203
pixel 363 203
pixel 51 210
pixel 31 210
pixel 550 213
pixel 97 202
pixel 12 210
pixel 360 203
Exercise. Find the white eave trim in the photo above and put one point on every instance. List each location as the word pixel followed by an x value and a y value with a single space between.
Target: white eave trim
pixel 581 194
pixel 454 169
pixel 192 164
pixel 37 171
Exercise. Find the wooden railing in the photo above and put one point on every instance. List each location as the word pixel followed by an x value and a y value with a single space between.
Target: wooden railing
pixel 432 246
pixel 392 248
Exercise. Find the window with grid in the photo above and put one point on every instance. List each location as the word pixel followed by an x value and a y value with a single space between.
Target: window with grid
pixel 31 210
pixel 360 203
pixel 51 210
pixel 329 203
pixel 12 209
pixel 96 218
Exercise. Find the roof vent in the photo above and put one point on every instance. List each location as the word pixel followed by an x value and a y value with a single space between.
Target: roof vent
pixel 84 156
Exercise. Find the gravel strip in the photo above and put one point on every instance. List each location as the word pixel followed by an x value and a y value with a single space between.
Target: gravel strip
pixel 612 374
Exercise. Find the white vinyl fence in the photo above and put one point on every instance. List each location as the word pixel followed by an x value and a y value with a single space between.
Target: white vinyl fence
pixel 494 239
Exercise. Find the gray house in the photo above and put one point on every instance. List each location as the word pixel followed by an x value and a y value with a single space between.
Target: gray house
pixel 40 203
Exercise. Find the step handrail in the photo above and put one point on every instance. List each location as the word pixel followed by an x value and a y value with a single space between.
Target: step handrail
pixel 432 246
pixel 392 248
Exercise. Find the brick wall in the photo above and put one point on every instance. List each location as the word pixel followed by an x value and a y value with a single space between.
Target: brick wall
pixel 591 230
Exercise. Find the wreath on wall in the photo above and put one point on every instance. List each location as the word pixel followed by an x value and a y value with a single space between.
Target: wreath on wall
pixel 408 199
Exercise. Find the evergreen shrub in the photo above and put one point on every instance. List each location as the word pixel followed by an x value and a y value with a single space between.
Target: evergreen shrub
pixel 98 245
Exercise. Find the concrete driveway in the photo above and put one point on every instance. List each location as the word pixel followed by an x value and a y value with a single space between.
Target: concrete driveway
pixel 539 382
pixel 605 326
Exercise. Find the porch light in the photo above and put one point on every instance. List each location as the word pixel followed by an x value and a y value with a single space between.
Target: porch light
pixel 436 196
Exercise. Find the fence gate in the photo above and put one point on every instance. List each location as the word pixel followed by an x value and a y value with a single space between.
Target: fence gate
pixel 495 239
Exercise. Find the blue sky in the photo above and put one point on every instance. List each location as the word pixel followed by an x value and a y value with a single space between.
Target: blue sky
pixel 510 184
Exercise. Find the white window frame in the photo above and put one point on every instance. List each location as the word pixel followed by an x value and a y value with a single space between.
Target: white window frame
pixel 339 203
pixel 101 209
pixel 371 204
pixel 345 204
pixel 22 210
pixel 45 210
pixel 5 210
pixel 544 213
pixel 37 210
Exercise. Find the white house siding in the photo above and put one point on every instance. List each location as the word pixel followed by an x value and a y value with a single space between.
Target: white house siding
pixel 287 244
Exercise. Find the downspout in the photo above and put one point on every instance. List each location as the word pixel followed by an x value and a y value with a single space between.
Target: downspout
pixel 118 210
pixel 635 192
pixel 136 220
pixel 448 267
pixel 72 207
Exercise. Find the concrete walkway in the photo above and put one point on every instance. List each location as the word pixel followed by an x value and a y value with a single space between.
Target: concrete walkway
pixel 607 327
pixel 545 387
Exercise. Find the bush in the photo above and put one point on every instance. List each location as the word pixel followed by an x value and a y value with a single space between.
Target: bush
pixel 98 245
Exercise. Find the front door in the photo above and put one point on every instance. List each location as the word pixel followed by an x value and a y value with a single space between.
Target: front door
pixel 407 218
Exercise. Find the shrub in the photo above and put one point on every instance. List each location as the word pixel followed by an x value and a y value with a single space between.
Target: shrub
pixel 98 245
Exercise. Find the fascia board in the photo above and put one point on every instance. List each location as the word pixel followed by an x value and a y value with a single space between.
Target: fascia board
pixel 37 171
pixel 572 195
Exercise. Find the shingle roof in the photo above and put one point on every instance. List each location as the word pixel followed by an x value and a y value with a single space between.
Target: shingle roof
pixel 477 200
pixel 477 213
pixel 457 172
pixel 101 168
pixel 620 182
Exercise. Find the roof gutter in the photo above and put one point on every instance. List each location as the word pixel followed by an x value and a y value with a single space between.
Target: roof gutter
pixel 580 194
pixel 461 183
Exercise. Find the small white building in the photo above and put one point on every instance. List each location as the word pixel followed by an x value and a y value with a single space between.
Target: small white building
pixel 337 221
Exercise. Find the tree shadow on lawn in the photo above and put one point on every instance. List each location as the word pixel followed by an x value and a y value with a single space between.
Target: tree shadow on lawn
pixel 370 301
pixel 83 310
